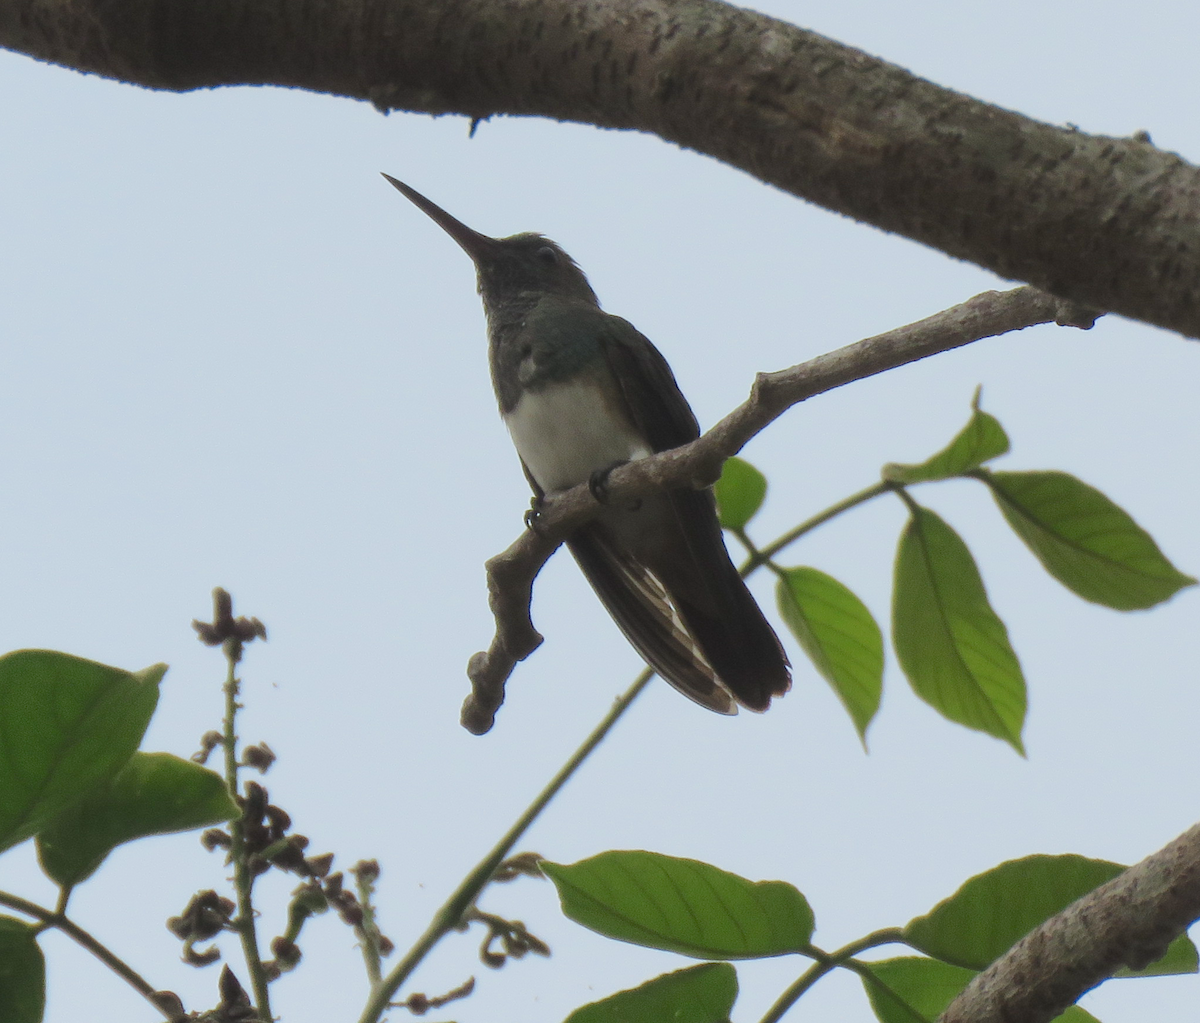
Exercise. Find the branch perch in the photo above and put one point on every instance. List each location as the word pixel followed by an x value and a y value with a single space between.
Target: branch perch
pixel 698 465
pixel 1128 922
pixel 1110 222
pixel 510 590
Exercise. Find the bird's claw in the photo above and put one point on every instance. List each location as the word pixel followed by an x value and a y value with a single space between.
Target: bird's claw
pixel 598 483
pixel 534 514
pixel 598 486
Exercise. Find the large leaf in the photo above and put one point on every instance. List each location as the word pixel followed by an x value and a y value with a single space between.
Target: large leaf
pixel 66 725
pixel 699 994
pixel 1086 542
pixel 840 637
pixel 982 439
pixel 739 492
pixel 153 794
pixel 912 989
pixel 22 973
pixel 682 906
pixel 952 646
pixel 995 909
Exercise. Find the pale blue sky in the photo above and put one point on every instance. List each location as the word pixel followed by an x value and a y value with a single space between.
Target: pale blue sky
pixel 234 355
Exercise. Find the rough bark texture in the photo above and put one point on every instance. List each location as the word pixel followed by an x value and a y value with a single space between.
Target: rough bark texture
pixel 1109 223
pixel 1128 922
pixel 699 463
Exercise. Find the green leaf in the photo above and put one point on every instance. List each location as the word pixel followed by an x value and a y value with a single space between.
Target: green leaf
pixel 840 637
pixel 952 646
pixel 153 794
pixel 682 906
pixel 995 909
pixel 913 989
pixel 699 994
pixel 66 725
pixel 1086 542
pixel 739 492
pixel 22 973
pixel 992 911
pixel 981 440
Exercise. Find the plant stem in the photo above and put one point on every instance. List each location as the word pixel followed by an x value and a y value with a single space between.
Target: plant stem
pixel 81 937
pixel 369 932
pixel 761 557
pixel 243 880
pixel 827 962
pixel 452 911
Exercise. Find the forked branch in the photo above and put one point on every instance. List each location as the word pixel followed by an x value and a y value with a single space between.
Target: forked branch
pixel 511 574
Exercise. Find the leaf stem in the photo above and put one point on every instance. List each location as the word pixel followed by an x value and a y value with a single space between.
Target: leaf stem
pixel 825 963
pixel 243 879
pixel 452 911
pixel 49 918
pixel 761 557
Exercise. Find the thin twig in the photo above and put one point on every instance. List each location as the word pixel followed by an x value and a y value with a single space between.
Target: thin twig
pixel 100 951
pixel 243 878
pixel 826 963
pixel 448 917
pixel 369 929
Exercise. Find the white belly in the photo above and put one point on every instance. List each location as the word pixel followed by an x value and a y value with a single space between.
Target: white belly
pixel 565 432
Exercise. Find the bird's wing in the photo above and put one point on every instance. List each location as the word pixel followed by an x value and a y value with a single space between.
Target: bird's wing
pixel 653 400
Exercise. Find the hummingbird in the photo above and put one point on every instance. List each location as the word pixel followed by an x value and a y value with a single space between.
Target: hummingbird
pixel 581 392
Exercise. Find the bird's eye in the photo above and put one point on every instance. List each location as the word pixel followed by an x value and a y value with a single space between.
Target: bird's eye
pixel 547 255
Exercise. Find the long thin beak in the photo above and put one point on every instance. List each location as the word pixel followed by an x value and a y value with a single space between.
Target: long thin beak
pixel 477 246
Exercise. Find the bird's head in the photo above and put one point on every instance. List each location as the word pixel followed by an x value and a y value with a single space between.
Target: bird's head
pixel 522 265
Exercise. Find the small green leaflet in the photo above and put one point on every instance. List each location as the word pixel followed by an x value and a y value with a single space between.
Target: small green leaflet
pixel 740 492
pixel 995 909
pixel 981 440
pixel 840 637
pixel 953 647
pixel 699 994
pixel 69 724
pixel 1090 545
pixel 683 906
pixel 153 794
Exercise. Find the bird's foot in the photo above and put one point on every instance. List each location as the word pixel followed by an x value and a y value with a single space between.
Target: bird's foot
pixel 598 482
pixel 598 485
pixel 533 516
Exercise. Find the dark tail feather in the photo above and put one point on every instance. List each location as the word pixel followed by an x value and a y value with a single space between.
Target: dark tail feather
pixel 638 604
pixel 720 612
pixel 681 603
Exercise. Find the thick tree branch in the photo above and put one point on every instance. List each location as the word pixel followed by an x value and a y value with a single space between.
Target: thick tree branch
pixel 1109 223
pixel 1128 922
pixel 511 574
